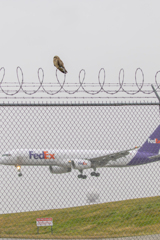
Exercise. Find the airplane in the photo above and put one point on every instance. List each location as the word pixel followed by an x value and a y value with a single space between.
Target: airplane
pixel 63 160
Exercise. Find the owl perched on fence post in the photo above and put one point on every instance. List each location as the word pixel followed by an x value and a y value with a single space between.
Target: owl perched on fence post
pixel 59 64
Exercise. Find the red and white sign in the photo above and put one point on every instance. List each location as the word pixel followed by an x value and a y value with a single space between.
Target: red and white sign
pixel 44 222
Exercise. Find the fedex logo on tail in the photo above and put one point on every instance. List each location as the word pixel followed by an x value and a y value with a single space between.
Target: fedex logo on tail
pixel 154 141
pixel 43 155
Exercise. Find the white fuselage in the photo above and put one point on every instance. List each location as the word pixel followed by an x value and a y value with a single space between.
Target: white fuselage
pixel 38 157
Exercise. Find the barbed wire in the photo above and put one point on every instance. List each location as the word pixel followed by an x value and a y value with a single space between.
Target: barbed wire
pixel 100 86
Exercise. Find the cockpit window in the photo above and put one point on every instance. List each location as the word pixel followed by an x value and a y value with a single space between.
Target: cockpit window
pixel 6 155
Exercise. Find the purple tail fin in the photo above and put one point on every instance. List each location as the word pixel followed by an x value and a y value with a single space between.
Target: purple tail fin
pixel 152 144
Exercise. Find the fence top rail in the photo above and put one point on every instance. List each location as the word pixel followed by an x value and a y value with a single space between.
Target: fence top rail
pixel 76 104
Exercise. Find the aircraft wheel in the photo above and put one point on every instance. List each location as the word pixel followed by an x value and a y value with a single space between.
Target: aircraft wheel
pixel 93 174
pixel 97 174
pixel 84 176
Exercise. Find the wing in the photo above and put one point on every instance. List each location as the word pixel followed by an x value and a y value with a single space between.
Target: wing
pixel 102 160
pixel 60 63
pixel 61 66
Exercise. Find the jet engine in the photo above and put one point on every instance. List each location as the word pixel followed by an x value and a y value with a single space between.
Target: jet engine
pixel 59 170
pixel 81 164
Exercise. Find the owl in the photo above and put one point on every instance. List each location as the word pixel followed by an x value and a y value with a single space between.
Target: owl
pixel 59 64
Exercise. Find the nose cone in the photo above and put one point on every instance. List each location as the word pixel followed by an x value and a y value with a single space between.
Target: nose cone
pixel 3 159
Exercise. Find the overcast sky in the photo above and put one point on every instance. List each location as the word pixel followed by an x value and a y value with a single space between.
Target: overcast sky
pixel 88 34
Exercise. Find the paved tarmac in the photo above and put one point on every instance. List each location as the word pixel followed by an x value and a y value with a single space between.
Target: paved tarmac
pixel 148 237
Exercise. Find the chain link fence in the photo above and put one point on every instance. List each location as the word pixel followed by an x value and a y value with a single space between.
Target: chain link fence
pixel 119 202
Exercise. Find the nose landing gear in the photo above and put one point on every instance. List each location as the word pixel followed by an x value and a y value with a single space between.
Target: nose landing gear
pixel 19 170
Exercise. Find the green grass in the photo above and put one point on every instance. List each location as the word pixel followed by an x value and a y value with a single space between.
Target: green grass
pixel 114 219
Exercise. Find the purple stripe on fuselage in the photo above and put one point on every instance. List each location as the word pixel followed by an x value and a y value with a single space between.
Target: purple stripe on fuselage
pixel 143 158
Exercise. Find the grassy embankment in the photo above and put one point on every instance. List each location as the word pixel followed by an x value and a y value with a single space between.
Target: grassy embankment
pixel 115 219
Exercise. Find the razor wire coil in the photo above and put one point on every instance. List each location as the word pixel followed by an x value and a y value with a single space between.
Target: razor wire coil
pixel 81 86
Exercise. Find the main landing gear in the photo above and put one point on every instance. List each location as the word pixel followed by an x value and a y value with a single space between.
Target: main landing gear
pixel 92 174
pixel 19 170
pixel 95 174
pixel 81 175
